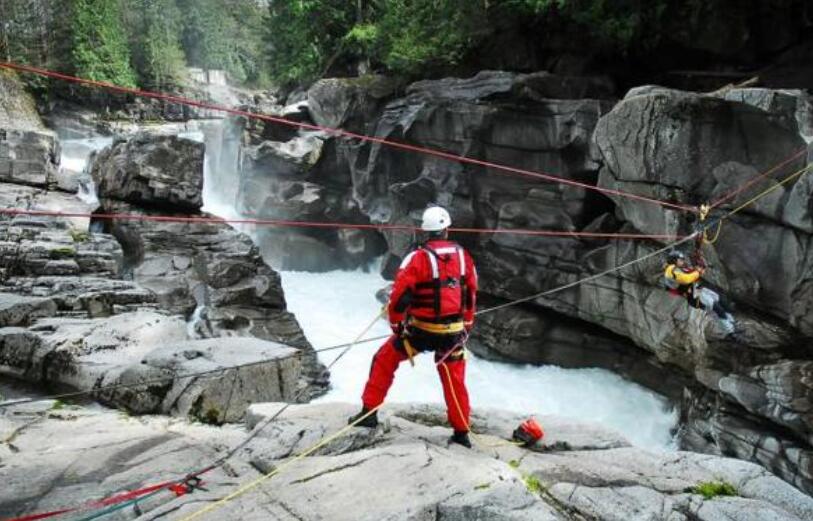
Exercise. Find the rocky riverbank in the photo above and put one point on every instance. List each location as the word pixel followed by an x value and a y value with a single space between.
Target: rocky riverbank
pixel 403 470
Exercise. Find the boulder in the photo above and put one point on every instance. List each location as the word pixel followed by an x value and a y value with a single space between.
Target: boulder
pixel 689 149
pixel 348 103
pixel 155 171
pixel 192 266
pixel 28 157
pixel 150 347
pixel 793 107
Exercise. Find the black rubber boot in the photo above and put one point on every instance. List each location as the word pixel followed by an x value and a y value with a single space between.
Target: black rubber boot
pixel 370 421
pixel 461 438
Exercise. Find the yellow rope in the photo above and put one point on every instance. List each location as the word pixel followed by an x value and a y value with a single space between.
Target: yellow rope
pixel 259 481
pixel 706 239
pixel 468 426
pixel 769 190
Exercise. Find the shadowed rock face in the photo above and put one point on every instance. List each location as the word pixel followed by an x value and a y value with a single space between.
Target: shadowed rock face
pixel 152 171
pixel 747 398
pixel 190 266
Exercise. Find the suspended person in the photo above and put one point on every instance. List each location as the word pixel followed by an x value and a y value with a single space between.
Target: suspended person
pixel 431 308
pixel 685 280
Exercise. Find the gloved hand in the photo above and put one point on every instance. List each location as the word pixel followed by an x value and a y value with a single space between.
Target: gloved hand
pixel 397 328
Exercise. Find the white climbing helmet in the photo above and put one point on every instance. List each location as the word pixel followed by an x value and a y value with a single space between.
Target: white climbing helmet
pixel 435 219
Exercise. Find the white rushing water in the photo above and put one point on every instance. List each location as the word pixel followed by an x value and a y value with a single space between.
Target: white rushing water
pixel 73 162
pixel 335 307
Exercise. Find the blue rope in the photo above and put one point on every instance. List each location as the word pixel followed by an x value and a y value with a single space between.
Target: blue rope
pixel 120 506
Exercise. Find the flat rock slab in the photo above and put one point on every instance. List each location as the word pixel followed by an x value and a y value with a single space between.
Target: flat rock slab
pixel 20 310
pixel 148 355
pixel 404 469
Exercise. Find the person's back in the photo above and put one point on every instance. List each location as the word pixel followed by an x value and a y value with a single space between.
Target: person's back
pixel 436 283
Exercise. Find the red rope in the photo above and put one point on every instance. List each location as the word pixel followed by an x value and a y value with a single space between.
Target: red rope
pixel 756 179
pixel 112 500
pixel 340 132
pixel 311 224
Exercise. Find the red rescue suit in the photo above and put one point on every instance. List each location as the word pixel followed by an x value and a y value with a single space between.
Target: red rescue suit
pixel 431 308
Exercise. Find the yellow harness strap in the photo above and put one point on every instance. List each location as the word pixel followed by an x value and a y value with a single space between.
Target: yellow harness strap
pixel 438 329
pixel 410 351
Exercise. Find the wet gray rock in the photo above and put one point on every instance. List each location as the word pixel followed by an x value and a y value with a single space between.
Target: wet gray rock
pixel 190 265
pixel 794 107
pixel 348 102
pixel 157 171
pixel 151 347
pixel 17 310
pixel 579 471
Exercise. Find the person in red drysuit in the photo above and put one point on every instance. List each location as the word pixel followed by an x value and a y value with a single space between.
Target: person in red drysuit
pixel 431 308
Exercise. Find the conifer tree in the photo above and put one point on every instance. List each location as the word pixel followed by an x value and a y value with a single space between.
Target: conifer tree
pixel 100 50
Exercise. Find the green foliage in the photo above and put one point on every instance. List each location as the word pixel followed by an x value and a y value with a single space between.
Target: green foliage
pixel 426 33
pixel 514 464
pixel 307 37
pixel 100 50
pixel 533 484
pixel 616 23
pixel 363 38
pixel 62 252
pixel 483 486
pixel 713 489
pixel 223 34
pixel 155 28
pixel 79 235
pixel 304 36
pixel 58 405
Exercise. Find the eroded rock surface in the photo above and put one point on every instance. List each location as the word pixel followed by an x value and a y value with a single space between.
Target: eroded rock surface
pixel 405 469
pixel 146 304
pixel 146 170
